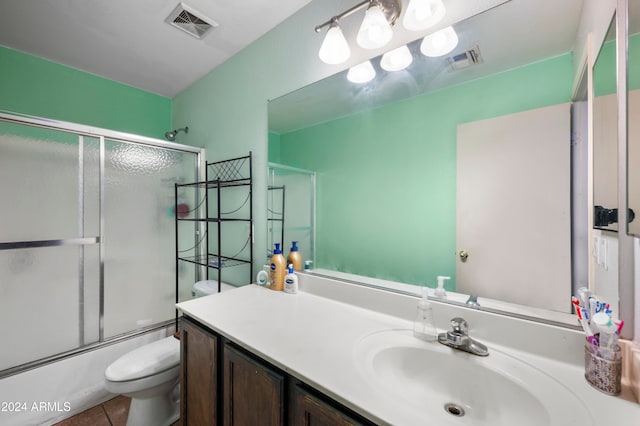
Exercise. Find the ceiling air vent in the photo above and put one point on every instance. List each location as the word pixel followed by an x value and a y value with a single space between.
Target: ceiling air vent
pixel 191 21
pixel 465 59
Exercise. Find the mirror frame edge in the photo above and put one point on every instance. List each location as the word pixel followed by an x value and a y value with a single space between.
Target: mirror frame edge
pixel 626 267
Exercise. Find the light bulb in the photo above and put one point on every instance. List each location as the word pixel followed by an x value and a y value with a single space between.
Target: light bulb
pixel 423 14
pixel 361 73
pixel 334 49
pixel 396 59
pixel 375 30
pixel 439 43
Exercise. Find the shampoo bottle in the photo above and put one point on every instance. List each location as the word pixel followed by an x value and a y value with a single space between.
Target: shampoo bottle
pixel 423 327
pixel 277 268
pixel 291 281
pixel 294 257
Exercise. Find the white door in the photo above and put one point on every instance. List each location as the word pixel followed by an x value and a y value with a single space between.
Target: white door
pixel 513 208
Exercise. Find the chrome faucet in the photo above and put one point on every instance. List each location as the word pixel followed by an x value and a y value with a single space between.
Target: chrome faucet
pixel 472 301
pixel 458 338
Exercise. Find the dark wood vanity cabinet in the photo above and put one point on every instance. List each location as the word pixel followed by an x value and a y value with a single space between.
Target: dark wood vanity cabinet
pixel 253 393
pixel 310 409
pixel 199 378
pixel 223 384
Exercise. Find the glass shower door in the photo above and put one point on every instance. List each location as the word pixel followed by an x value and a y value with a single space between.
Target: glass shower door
pixel 48 242
pixel 87 237
pixel 139 253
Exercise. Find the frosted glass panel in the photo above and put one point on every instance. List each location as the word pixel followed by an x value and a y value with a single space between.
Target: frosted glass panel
pixel 191 244
pixel 139 248
pixel 39 192
pixel 90 186
pixel 89 294
pixel 40 289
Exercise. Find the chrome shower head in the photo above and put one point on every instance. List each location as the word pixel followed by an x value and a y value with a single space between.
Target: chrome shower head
pixel 171 136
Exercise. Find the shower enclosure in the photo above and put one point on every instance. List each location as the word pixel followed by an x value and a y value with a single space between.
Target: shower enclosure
pixel 86 237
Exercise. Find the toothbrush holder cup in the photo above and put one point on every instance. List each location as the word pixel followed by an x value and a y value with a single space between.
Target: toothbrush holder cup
pixel 603 368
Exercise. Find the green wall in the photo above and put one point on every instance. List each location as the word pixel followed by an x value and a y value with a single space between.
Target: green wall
pixel 368 165
pixel 34 86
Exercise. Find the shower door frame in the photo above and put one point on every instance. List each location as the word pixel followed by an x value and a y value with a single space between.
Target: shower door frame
pixel 102 135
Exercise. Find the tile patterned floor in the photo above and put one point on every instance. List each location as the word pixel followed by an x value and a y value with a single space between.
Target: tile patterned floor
pixel 111 413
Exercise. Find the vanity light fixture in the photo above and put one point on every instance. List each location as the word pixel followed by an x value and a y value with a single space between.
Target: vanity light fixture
pixel 439 43
pixel 374 33
pixel 396 59
pixel 361 73
pixel 423 14
pixel 334 49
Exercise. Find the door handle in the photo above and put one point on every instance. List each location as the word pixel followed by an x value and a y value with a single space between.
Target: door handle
pixel 464 255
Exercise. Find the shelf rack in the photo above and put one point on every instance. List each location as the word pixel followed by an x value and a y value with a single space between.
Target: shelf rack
pixel 219 177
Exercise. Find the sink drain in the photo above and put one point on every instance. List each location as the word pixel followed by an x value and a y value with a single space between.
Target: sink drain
pixel 454 409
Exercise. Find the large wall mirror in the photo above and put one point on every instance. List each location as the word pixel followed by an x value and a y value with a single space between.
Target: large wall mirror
pixel 633 100
pixel 604 251
pixel 483 136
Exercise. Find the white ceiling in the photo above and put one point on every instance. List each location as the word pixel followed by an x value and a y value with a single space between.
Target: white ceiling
pixel 128 40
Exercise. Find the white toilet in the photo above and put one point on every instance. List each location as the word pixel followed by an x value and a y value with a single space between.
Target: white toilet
pixel 150 375
pixel 206 287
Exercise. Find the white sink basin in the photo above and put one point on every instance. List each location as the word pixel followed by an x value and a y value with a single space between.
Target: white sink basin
pixel 442 386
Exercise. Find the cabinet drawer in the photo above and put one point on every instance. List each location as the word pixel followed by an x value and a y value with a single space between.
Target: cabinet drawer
pixel 310 409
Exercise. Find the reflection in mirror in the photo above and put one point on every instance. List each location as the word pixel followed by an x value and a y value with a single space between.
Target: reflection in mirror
pixel 605 137
pixel 633 100
pixel 388 163
pixel 605 171
pixel 291 197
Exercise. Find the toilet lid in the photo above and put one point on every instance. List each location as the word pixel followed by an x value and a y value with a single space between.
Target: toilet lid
pixel 145 361
pixel 206 286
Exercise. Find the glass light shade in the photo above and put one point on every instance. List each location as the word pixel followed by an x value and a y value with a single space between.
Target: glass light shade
pixel 423 14
pixel 396 59
pixel 361 73
pixel 334 49
pixel 375 30
pixel 439 43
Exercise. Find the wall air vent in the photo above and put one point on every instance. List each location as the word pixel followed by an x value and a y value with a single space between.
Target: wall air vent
pixel 191 21
pixel 465 59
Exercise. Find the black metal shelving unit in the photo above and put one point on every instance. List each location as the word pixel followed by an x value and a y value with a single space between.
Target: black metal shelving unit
pixel 220 176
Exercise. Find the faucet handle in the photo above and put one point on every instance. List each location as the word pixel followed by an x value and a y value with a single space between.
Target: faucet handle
pixel 460 326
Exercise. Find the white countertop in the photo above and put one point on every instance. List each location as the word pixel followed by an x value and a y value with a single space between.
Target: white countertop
pixel 312 338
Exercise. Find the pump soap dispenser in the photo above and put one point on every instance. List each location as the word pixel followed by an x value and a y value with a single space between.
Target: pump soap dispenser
pixel 440 291
pixel 423 327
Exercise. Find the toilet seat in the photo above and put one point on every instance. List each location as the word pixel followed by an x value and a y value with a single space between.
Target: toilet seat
pixel 148 360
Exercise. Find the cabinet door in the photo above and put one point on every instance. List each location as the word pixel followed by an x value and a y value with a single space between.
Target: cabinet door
pixel 309 410
pixel 198 376
pixel 253 393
